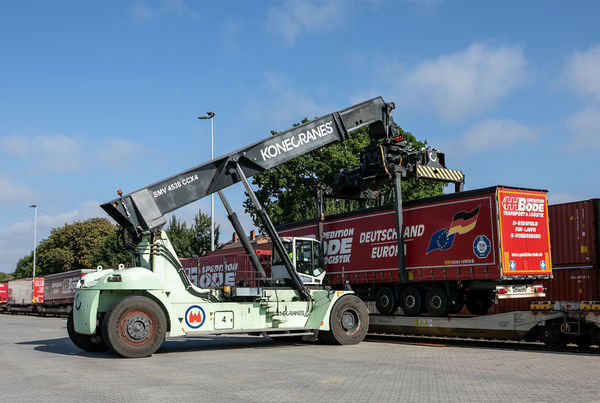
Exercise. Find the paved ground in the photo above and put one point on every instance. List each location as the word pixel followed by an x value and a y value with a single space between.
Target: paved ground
pixel 38 362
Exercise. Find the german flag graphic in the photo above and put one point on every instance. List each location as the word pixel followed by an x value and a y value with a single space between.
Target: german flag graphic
pixel 463 222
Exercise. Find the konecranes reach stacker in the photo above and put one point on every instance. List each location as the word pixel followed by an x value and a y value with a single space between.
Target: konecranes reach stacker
pixel 130 310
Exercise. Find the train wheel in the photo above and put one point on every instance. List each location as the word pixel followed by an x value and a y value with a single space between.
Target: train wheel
pixel 410 301
pixel 349 322
pixel 135 326
pixel 478 302
pixel 436 302
pixel 385 301
pixel 86 342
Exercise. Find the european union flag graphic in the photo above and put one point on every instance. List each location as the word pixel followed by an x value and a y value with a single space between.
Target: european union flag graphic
pixel 440 240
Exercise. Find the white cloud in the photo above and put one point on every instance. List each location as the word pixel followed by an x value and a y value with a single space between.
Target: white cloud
pixel 455 85
pixel 114 150
pixel 16 240
pixel 13 192
pixel 281 103
pixel 56 153
pixel 294 18
pixel 583 72
pixel 495 133
pixel 584 130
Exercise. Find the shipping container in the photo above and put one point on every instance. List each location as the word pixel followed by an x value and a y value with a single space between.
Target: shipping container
pixel 219 270
pixel 574 233
pixel 3 292
pixel 37 296
pixel 488 234
pixel 59 288
pixel 20 291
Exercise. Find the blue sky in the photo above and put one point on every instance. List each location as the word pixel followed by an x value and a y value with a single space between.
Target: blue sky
pixel 100 96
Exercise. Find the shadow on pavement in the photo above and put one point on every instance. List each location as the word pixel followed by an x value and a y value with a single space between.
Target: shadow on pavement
pixel 64 346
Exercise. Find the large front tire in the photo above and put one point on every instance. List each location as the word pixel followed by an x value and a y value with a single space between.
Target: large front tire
pixel 86 342
pixel 349 322
pixel 135 327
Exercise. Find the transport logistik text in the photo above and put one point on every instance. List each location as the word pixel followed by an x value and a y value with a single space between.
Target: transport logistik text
pixel 286 145
pixel 175 185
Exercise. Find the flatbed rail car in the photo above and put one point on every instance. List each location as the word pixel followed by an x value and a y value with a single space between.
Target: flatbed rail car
pixel 51 294
pixel 554 323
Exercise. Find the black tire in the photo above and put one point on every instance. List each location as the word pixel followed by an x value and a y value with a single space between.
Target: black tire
pixel 135 326
pixel 410 301
pixel 385 301
pixel 349 322
pixel 436 302
pixel 458 304
pixel 86 342
pixel 478 302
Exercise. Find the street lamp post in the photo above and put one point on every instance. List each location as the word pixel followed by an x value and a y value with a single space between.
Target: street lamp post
pixel 210 116
pixel 34 206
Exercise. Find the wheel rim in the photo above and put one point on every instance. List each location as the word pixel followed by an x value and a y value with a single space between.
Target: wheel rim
pixel 435 302
pixel 350 321
pixel 410 301
pixel 137 327
pixel 384 301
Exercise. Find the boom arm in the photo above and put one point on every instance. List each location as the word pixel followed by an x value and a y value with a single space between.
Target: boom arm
pixel 146 208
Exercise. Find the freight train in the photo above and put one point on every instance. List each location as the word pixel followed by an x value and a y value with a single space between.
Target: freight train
pixel 569 311
pixel 52 294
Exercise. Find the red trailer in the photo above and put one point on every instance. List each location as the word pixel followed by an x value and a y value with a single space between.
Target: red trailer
pixel 225 269
pixel 458 247
pixel 3 292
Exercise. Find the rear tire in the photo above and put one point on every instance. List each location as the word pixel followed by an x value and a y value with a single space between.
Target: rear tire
pixel 385 301
pixel 135 326
pixel 478 302
pixel 87 342
pixel 410 301
pixel 436 302
pixel 348 321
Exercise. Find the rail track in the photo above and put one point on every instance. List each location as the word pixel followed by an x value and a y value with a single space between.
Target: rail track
pixel 442 341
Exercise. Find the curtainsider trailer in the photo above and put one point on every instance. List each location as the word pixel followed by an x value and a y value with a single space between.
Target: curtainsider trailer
pixel 462 248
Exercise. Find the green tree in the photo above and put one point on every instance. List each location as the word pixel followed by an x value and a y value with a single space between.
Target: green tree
pixel 5 276
pixel 201 235
pixel 24 267
pixel 288 190
pixel 70 247
pixel 112 251
pixel 180 236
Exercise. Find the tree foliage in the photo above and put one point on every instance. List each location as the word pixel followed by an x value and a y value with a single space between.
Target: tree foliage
pixel 70 247
pixel 288 191
pixel 112 252
pixel 194 240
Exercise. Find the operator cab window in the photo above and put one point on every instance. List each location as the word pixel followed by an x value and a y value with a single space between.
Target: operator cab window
pixel 277 260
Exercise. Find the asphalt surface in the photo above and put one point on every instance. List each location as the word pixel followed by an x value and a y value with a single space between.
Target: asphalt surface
pixel 39 363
